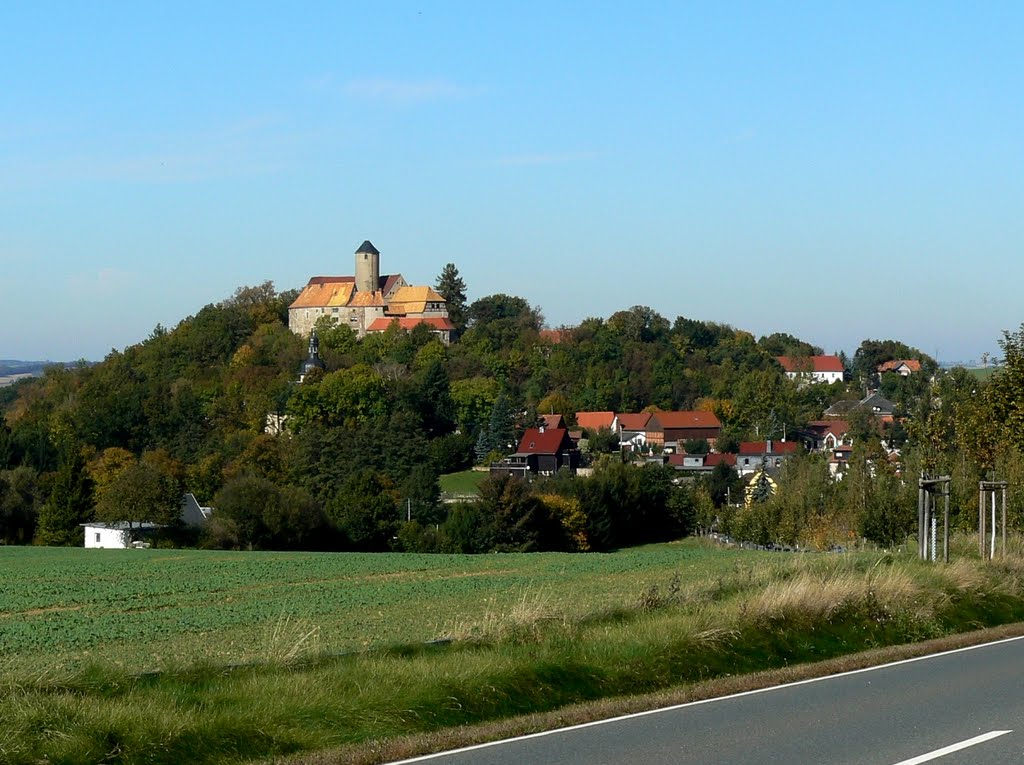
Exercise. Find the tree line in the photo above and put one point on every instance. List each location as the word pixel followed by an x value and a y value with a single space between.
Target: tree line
pixel 366 439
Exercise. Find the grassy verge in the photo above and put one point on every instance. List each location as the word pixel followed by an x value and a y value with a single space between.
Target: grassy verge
pixel 528 659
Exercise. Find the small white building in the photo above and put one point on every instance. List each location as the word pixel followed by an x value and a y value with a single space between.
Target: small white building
pixel 115 536
pixel 122 535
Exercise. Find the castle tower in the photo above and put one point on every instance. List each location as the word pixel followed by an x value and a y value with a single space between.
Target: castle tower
pixel 367 268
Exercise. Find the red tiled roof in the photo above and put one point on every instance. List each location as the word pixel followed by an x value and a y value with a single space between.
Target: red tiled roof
pixel 822 427
pixel 811 363
pixel 437 323
pixel 554 335
pixel 595 420
pixel 538 441
pixel 891 366
pixel 690 419
pixel 761 447
pixel 628 421
pixel 714 459
pixel 552 421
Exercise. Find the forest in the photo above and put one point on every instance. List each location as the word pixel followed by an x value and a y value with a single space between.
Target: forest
pixel 356 464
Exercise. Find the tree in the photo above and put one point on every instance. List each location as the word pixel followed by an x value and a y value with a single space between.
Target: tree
pixel 19 505
pixel 365 510
pixel 452 288
pixel 141 493
pixel 69 505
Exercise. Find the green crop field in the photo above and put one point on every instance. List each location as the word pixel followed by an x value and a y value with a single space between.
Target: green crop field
pixel 149 609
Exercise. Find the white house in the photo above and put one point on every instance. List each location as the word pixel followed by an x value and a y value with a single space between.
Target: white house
pixel 114 536
pixel 117 536
pixel 826 369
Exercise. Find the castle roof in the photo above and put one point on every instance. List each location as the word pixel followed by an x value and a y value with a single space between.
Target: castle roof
pixel 337 291
pixel 413 299
pixel 325 292
pixel 436 323
pixel 367 248
pixel 367 299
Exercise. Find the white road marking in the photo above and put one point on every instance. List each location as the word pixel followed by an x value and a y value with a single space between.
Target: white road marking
pixel 716 699
pixel 954 748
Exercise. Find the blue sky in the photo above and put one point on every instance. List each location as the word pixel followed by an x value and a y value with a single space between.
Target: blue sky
pixel 837 171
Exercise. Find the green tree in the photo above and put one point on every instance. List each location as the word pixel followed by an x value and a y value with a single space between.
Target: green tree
pixel 141 493
pixel 452 288
pixel 19 505
pixel 69 505
pixel 365 510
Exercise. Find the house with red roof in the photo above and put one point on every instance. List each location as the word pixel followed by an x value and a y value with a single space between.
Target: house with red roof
pixel 826 369
pixel 825 435
pixel 541 451
pixel 753 455
pixel 594 421
pixel 633 429
pixel 700 463
pixel 670 430
pixel 902 367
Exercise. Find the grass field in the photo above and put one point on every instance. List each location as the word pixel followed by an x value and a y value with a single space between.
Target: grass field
pixel 243 641
pixel 462 484
pixel 146 609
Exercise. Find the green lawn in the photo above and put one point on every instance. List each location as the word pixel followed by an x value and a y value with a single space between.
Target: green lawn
pixel 464 483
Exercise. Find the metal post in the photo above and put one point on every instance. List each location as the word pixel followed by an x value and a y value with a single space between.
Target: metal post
pixel 934 519
pixel 1004 521
pixel 992 552
pixel 920 517
pixel 981 520
pixel 945 530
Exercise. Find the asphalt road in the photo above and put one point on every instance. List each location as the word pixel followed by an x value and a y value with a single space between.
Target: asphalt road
pixel 905 713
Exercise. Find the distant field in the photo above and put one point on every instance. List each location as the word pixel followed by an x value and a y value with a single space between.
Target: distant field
pixel 141 609
pixel 466 482
pixel 983 373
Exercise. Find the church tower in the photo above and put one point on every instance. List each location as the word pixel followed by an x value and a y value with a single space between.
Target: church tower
pixel 367 268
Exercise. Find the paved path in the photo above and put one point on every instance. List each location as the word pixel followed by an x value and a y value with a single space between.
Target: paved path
pixel 965 706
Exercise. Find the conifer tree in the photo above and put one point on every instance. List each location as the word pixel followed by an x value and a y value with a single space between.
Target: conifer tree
pixel 70 504
pixel 452 288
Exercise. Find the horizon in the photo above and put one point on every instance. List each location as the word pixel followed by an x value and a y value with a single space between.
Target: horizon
pixel 838 174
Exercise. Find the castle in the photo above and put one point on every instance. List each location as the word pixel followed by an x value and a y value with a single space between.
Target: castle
pixel 369 302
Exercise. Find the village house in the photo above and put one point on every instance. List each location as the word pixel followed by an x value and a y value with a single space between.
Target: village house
pixel 823 369
pixel 541 451
pixel 700 463
pixel 754 455
pixel 121 536
pixel 902 367
pixel 368 301
pixel 825 435
pixel 633 430
pixel 671 430
pixel 875 404
pixel 591 422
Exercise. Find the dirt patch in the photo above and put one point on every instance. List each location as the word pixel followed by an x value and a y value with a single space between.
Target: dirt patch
pixel 40 611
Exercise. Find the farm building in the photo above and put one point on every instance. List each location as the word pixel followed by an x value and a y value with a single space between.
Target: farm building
pixel 122 535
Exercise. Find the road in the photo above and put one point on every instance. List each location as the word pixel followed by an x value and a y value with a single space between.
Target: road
pixel 964 706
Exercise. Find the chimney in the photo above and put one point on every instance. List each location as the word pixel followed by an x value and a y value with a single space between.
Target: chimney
pixel 768 446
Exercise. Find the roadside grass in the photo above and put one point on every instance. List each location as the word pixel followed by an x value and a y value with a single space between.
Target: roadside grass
pixel 531 655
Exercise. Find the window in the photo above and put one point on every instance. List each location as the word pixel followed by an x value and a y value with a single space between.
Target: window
pixel 97 537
